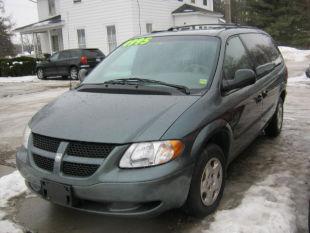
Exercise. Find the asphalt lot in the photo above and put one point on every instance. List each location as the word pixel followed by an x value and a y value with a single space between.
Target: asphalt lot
pixel 287 154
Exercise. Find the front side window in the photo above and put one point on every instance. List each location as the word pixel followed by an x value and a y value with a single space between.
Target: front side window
pixel 51 7
pixel 111 33
pixel 54 57
pixel 236 58
pixel 81 38
pixel 183 60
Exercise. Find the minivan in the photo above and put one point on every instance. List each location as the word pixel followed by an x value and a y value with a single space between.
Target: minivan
pixel 155 125
pixel 68 63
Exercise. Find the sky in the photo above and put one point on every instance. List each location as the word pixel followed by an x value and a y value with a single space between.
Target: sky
pixel 22 12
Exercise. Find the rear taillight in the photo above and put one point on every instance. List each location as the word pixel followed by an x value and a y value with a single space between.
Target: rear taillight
pixel 84 60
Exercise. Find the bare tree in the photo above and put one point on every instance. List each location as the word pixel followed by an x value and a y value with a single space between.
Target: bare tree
pixel 6 45
pixel 27 44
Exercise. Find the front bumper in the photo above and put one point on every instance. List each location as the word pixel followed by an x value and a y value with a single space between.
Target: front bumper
pixel 120 192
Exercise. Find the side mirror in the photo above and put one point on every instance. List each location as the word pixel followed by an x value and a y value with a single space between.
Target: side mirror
pixel 242 78
pixel 82 74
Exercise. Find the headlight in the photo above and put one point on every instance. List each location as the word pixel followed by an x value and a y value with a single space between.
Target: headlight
pixel 27 133
pixel 151 153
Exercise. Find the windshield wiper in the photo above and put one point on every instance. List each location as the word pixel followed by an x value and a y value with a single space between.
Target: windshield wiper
pixel 134 80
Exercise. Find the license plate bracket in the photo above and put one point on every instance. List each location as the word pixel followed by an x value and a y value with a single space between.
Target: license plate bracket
pixel 57 193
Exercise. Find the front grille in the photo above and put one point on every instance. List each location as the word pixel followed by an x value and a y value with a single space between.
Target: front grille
pixel 45 143
pixel 90 150
pixel 43 162
pixel 78 169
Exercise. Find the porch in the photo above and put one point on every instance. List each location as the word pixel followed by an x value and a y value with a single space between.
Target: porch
pixel 46 35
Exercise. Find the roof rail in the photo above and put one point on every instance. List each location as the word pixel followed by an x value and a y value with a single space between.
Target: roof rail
pixel 208 27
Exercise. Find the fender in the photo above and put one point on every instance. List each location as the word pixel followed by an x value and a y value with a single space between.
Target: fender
pixel 206 134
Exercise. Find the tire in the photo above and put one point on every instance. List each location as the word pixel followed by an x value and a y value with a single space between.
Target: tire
pixel 40 74
pixel 198 204
pixel 74 73
pixel 275 125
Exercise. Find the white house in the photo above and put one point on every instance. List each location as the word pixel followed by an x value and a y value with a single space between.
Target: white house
pixel 104 24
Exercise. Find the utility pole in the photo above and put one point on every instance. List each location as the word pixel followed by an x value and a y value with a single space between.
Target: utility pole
pixel 227 6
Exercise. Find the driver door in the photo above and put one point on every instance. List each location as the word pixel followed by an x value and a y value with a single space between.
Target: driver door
pixel 51 68
pixel 245 106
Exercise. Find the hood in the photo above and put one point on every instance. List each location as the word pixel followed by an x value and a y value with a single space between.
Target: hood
pixel 109 118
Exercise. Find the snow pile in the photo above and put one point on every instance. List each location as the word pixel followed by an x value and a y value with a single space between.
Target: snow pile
pixel 266 207
pixel 295 55
pixel 9 227
pixel 18 79
pixel 11 186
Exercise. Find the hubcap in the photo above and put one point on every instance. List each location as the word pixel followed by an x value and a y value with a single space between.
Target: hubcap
pixel 280 116
pixel 40 74
pixel 211 182
pixel 74 73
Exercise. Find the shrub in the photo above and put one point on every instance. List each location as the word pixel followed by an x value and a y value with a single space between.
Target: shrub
pixel 20 66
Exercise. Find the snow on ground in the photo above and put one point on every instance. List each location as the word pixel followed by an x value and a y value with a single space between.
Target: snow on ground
pixel 18 79
pixel 301 80
pixel 11 185
pixel 294 54
pixel 266 207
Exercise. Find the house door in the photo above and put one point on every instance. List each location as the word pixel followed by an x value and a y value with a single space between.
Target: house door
pixel 55 43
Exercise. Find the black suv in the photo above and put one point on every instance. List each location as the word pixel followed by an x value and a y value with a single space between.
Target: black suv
pixel 67 63
pixel 156 124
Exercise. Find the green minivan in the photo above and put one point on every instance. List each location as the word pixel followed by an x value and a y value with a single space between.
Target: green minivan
pixel 155 125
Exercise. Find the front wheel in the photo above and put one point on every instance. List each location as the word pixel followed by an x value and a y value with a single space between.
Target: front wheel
pixel 275 126
pixel 74 73
pixel 207 183
pixel 40 73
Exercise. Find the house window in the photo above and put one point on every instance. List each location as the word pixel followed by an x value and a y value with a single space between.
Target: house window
pixel 51 7
pixel 193 1
pixel 149 28
pixel 81 38
pixel 77 1
pixel 111 32
pixel 205 2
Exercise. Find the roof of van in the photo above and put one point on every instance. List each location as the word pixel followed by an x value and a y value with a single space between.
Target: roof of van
pixel 221 30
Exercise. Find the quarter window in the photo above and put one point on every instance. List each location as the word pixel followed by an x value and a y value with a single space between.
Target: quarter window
pixel 81 38
pixel 111 33
pixel 236 58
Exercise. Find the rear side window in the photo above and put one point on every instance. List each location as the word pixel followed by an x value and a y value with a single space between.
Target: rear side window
pixel 261 48
pixel 64 55
pixel 75 53
pixel 93 53
pixel 236 58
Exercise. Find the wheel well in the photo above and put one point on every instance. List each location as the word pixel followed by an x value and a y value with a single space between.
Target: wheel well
pixel 283 95
pixel 221 138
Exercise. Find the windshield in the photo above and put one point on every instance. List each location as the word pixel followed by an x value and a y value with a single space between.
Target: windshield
pixel 182 60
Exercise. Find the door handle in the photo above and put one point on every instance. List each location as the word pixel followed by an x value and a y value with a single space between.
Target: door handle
pixel 259 98
pixel 264 94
